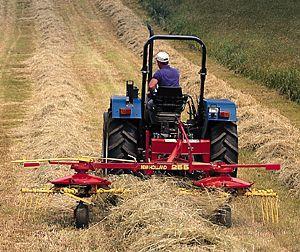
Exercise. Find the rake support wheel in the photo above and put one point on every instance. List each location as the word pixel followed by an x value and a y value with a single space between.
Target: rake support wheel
pixel 81 215
pixel 224 143
pixel 222 216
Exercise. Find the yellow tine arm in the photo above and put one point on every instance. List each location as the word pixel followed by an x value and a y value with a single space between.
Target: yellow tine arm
pixel 37 190
pixel 113 190
pixel 79 198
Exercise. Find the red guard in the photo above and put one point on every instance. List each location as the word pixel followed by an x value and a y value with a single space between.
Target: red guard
pixel 82 179
pixel 222 182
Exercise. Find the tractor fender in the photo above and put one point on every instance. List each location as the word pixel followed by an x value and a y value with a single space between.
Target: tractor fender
pixel 220 110
pixel 121 108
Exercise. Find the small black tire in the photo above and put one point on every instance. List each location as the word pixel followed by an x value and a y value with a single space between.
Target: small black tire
pixel 225 216
pixel 81 216
pixel 222 216
pixel 224 143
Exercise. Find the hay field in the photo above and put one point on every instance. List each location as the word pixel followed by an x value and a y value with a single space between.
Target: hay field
pixel 67 58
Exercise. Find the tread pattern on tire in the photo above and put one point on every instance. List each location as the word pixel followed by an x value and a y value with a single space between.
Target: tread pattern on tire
pixel 222 216
pixel 122 139
pixel 224 142
pixel 81 214
pixel 119 140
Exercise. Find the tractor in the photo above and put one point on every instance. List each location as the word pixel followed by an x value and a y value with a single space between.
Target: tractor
pixel 203 148
pixel 209 134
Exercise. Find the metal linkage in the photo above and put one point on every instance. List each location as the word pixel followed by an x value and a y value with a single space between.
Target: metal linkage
pixel 165 155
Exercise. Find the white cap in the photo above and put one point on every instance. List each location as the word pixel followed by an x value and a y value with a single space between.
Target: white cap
pixel 162 57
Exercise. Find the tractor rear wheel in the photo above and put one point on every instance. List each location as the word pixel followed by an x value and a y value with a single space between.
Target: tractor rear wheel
pixel 120 140
pixel 224 143
pixel 104 137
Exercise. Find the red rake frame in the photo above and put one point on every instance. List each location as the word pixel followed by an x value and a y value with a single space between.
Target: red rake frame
pixel 161 155
pixel 220 170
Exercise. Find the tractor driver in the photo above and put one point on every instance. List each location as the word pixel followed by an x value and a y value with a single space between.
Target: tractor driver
pixel 165 76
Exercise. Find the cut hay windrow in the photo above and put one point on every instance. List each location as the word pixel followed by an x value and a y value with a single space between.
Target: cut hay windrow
pixel 265 131
pixel 6 22
pixel 155 216
pixel 57 124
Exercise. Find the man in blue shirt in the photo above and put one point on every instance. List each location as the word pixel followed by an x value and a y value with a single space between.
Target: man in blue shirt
pixel 165 76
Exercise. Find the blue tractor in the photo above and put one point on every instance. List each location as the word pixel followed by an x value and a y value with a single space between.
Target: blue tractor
pixel 129 134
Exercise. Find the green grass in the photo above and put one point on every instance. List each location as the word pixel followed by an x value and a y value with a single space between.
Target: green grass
pixel 14 85
pixel 267 97
pixel 258 39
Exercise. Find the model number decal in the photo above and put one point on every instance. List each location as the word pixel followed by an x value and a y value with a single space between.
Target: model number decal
pixel 183 167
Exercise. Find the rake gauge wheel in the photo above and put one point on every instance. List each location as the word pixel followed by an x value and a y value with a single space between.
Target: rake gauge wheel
pixel 81 216
pixel 222 216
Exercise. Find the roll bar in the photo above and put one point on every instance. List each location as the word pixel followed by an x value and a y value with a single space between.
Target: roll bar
pixel 148 56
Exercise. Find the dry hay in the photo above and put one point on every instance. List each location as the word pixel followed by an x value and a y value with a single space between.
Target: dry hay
pixel 155 216
pixel 130 28
pixel 263 130
pixel 3 13
pixel 57 125
pixel 7 16
pixel 151 216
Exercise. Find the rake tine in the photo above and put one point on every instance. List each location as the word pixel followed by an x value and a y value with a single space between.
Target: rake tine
pixel 262 210
pixel 31 201
pixel 252 209
pixel 273 209
pixel 37 204
pixel 277 211
pixel 19 204
pixel 267 209
pixel 25 206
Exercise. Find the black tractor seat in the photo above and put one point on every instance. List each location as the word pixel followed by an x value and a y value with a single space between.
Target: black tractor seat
pixel 168 104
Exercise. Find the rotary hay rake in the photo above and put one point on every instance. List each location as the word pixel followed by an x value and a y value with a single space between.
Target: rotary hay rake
pixel 82 185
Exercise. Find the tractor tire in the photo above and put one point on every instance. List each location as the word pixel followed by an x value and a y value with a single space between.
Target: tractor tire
pixel 104 133
pixel 81 216
pixel 224 143
pixel 120 140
